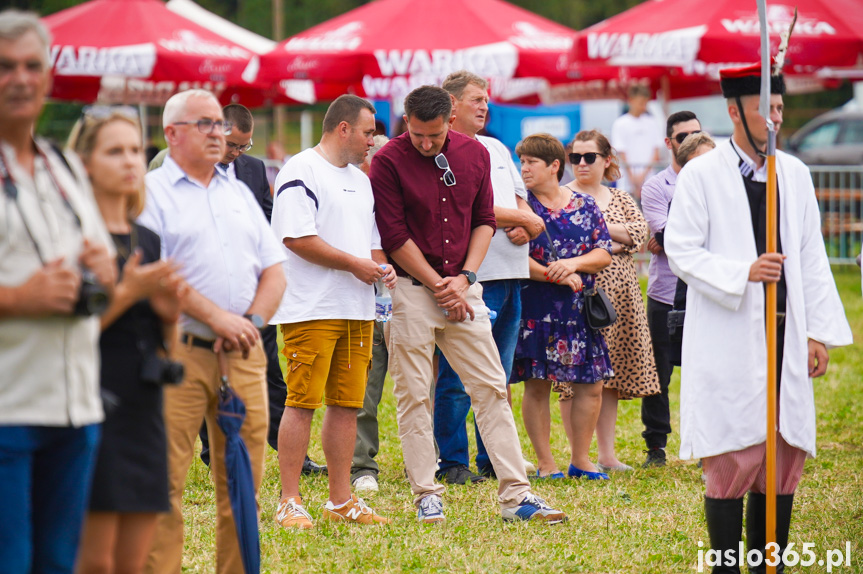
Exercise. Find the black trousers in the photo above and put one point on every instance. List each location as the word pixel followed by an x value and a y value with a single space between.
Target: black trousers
pixel 654 409
pixel 276 390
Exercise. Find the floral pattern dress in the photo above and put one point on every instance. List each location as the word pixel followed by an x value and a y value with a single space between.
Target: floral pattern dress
pixel 555 342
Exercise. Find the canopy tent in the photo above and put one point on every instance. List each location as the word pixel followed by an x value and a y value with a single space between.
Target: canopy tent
pixel 224 28
pixel 385 48
pixel 684 43
pixel 140 52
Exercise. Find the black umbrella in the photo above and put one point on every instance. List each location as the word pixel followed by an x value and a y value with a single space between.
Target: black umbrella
pixel 238 468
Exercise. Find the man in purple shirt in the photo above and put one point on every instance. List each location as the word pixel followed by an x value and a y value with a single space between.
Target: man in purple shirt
pixel 656 197
pixel 434 209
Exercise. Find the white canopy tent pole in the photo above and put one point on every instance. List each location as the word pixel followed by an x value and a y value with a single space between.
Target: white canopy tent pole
pixel 306 129
pixel 142 112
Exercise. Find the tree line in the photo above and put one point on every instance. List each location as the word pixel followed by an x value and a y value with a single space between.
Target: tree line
pixel 299 15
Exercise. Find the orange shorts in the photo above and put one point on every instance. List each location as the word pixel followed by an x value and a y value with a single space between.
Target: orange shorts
pixel 328 359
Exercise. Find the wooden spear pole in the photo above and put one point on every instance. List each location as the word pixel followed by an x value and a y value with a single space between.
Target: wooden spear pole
pixel 770 299
pixel 770 302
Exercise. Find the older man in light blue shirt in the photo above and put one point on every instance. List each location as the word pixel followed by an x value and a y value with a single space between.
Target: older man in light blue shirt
pixel 211 225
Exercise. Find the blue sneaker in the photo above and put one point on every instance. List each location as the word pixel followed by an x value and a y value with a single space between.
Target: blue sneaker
pixel 578 473
pixel 533 507
pixel 552 476
pixel 431 510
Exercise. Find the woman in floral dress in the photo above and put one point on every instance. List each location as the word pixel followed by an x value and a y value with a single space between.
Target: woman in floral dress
pixel 556 346
pixel 628 338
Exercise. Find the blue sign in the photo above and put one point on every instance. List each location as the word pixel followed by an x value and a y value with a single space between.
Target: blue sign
pixel 511 124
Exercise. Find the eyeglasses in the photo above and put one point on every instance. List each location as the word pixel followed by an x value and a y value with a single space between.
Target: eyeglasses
pixel 589 157
pixel 207 126
pixel 102 112
pixel 240 148
pixel 448 175
pixel 682 136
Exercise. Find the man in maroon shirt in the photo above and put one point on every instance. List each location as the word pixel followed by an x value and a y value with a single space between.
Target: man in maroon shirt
pixel 434 210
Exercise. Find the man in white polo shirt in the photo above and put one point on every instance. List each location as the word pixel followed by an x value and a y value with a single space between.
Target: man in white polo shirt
pixel 324 216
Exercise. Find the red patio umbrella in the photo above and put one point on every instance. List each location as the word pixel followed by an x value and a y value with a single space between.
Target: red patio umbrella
pixel 385 48
pixel 689 41
pixel 138 51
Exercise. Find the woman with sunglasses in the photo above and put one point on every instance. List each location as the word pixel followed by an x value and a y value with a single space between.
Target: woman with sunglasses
pixel 556 347
pixel 130 482
pixel 593 160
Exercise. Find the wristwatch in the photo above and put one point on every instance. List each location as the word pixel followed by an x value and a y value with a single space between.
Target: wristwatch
pixel 471 276
pixel 256 320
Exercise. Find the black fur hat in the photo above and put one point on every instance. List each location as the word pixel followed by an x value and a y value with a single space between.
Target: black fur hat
pixel 746 81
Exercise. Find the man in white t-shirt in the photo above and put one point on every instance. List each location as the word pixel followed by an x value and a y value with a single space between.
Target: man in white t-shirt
pixel 324 216
pixel 504 265
pixel 637 136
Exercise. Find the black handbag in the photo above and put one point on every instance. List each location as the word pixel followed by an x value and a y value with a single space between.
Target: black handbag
pixel 598 308
pixel 676 317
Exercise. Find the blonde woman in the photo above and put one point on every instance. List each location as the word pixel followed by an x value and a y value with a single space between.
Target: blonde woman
pixel 693 146
pixel 130 484
pixel 593 160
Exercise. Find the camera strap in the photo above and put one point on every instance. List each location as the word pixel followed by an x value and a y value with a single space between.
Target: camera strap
pixel 63 195
pixel 11 192
pixel 138 318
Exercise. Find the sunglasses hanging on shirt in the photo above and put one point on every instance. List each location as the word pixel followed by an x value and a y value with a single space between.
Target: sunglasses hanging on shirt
pixel 448 175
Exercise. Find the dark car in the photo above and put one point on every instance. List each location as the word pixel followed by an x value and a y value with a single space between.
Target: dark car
pixel 834 138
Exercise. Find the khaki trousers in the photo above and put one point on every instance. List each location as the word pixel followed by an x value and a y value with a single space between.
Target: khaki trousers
pixel 417 325
pixel 186 405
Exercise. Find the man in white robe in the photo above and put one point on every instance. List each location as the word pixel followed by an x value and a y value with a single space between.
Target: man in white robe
pixel 716 245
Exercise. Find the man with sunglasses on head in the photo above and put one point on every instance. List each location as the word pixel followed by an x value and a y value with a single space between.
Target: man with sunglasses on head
pixel 50 232
pixel 435 210
pixel 211 225
pixel 656 195
pixel 504 266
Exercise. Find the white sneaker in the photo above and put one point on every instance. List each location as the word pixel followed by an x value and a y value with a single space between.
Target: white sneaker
pixel 366 484
pixel 529 468
pixel 533 507
pixel 430 510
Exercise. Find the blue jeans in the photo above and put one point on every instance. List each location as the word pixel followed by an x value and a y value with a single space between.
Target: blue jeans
pixel 46 474
pixel 451 402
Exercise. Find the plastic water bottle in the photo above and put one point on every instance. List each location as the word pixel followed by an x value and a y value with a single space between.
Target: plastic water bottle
pixel 492 314
pixel 383 302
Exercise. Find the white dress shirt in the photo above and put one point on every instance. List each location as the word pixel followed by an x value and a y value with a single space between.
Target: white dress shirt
pixel 218 234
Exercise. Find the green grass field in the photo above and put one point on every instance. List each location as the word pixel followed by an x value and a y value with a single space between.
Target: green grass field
pixel 649 521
